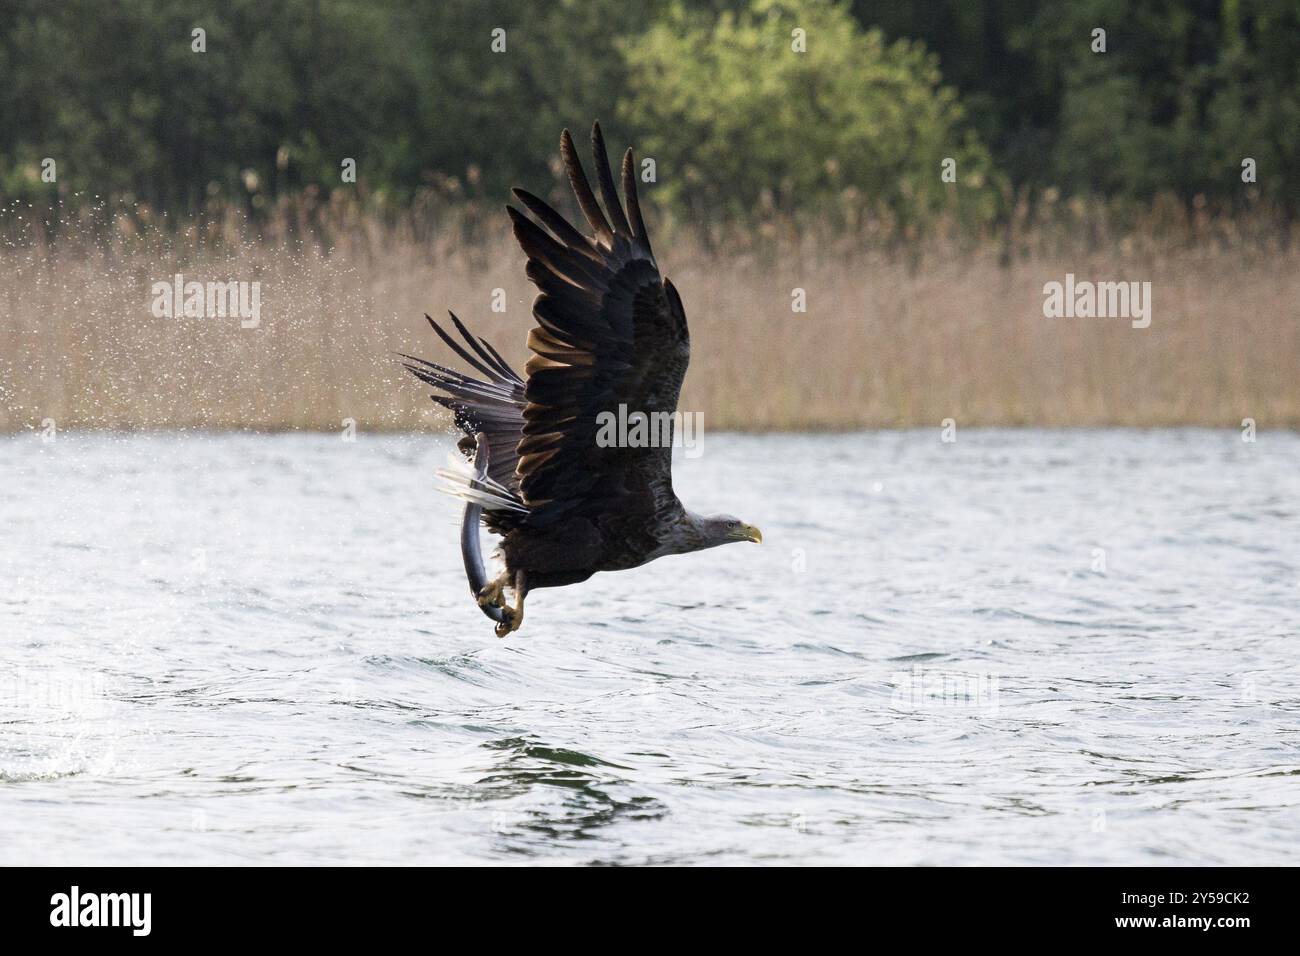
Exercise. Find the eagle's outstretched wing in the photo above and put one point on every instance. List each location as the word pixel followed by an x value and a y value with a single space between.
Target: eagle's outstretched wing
pixel 493 406
pixel 610 332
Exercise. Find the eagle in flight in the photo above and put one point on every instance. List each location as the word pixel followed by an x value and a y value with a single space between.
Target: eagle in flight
pixel 610 333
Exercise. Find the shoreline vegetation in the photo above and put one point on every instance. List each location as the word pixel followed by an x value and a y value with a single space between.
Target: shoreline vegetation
pixel 914 176
pixel 900 329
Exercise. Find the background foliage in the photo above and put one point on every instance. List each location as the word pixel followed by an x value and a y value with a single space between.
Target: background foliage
pixel 739 125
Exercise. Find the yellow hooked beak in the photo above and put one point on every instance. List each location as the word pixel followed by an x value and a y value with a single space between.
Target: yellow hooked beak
pixel 747 532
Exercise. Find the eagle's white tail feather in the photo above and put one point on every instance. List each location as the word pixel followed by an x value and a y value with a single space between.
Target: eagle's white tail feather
pixel 459 481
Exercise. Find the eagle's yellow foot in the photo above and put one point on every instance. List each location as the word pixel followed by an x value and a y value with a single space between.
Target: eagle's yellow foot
pixel 514 618
pixel 514 615
pixel 493 594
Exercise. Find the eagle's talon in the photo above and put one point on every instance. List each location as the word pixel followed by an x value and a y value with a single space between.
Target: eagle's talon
pixel 492 595
pixel 514 616
pixel 508 625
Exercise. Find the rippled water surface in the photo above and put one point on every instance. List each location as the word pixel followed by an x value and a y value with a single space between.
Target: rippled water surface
pixel 1024 647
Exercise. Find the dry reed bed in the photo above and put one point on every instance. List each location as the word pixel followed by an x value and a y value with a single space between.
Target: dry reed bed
pixel 884 342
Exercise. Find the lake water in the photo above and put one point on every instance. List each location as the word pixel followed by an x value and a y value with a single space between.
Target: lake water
pixel 1021 647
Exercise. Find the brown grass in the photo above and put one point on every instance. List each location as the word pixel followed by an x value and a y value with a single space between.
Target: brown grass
pixel 945 331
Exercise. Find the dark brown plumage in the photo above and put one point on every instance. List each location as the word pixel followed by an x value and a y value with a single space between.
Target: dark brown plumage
pixel 610 332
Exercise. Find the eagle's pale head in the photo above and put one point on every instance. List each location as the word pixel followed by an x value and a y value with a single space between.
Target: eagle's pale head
pixel 709 531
